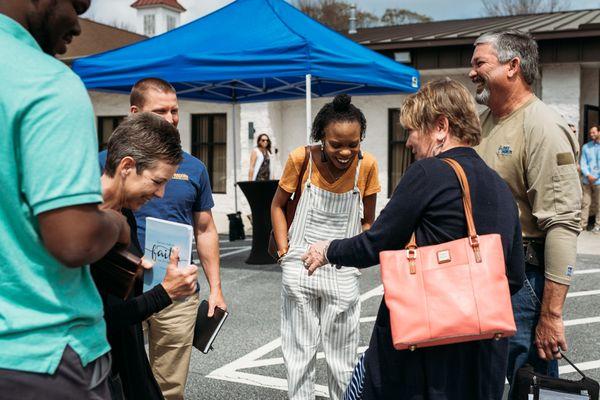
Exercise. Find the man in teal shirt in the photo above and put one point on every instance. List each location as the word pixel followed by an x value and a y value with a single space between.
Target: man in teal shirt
pixel 52 335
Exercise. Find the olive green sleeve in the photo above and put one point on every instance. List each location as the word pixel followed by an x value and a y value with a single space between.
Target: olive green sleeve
pixel 554 191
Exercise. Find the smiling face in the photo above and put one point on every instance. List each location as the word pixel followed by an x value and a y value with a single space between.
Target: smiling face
pixel 139 188
pixel 342 143
pixel 486 72
pixel 163 104
pixel 594 134
pixel 54 23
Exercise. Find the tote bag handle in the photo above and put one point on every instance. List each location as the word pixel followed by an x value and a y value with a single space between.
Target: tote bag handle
pixel 466 197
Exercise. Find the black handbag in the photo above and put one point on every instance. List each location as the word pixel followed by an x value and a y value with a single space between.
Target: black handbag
pixel 531 385
pixel 116 272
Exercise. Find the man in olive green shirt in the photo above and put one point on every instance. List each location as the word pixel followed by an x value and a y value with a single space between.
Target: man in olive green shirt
pixel 532 149
pixel 52 335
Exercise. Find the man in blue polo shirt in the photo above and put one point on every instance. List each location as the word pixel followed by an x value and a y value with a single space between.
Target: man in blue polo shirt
pixel 52 334
pixel 590 171
pixel 187 200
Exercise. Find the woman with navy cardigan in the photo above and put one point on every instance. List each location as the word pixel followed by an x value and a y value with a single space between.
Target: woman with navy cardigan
pixel 442 121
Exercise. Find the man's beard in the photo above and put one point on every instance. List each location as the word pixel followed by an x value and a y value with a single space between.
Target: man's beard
pixel 483 97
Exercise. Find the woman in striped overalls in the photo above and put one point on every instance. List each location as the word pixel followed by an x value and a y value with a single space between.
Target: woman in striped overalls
pixel 339 190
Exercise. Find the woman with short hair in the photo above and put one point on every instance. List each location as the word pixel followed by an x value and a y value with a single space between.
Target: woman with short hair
pixel 143 154
pixel 442 122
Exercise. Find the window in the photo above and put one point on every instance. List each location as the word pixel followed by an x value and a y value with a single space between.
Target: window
pixel 399 156
pixel 106 126
pixel 171 22
pixel 209 144
pixel 149 25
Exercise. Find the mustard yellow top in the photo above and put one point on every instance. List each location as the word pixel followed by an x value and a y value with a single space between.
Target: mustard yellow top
pixel 368 177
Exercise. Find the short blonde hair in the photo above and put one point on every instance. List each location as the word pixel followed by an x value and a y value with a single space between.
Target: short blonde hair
pixel 443 97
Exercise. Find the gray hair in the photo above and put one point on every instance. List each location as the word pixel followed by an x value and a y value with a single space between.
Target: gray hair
pixel 145 137
pixel 515 44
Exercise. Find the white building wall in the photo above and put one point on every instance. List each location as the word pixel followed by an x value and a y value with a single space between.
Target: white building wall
pixel 160 18
pixel 561 90
pixel 563 87
pixel 110 104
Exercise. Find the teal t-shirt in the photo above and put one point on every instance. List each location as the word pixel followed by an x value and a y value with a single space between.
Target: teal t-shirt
pixel 48 153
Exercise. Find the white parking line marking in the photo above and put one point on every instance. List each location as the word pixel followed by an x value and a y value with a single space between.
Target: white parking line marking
pixel 231 372
pixel 587 271
pixel 582 321
pixel 228 241
pixel 584 366
pixel 265 381
pixel 265 362
pixel 583 293
pixel 377 291
pixel 244 249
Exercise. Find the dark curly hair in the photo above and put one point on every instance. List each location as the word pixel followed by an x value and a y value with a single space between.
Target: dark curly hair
pixel 339 110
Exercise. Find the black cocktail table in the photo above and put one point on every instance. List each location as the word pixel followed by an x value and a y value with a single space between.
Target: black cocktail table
pixel 259 195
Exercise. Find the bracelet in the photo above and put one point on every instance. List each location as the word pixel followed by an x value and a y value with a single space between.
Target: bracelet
pixel 280 256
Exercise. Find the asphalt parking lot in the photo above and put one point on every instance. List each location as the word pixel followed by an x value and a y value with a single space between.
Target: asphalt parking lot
pixel 247 363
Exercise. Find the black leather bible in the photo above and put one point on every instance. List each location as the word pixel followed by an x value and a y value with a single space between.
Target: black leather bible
pixel 206 329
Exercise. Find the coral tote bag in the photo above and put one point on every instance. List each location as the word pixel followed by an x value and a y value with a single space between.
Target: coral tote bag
pixel 451 292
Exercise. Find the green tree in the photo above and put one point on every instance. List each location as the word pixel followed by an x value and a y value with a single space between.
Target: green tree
pixel 400 16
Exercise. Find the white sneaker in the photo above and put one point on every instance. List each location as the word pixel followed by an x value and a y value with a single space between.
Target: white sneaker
pixel 596 230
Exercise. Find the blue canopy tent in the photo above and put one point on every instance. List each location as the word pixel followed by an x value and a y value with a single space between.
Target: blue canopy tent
pixel 250 51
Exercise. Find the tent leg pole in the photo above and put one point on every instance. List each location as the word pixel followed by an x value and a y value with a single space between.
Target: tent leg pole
pixel 234 157
pixel 308 107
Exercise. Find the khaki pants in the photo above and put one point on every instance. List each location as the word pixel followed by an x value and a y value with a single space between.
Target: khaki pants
pixel 591 199
pixel 170 336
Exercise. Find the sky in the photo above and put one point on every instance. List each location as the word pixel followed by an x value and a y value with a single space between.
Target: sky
pixel 118 12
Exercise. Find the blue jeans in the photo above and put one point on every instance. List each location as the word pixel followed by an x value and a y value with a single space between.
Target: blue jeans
pixel 526 307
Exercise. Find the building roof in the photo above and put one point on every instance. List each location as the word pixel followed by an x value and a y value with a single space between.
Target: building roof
pixel 557 25
pixel 96 38
pixel 174 4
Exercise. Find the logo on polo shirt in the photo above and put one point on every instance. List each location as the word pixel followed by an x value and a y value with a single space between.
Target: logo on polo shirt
pixel 181 177
pixel 504 150
pixel 570 270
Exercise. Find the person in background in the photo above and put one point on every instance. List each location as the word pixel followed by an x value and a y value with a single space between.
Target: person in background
pixel 339 194
pixel 187 200
pixel 52 335
pixel 142 155
pixel 442 122
pixel 260 160
pixel 532 148
pixel 590 171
